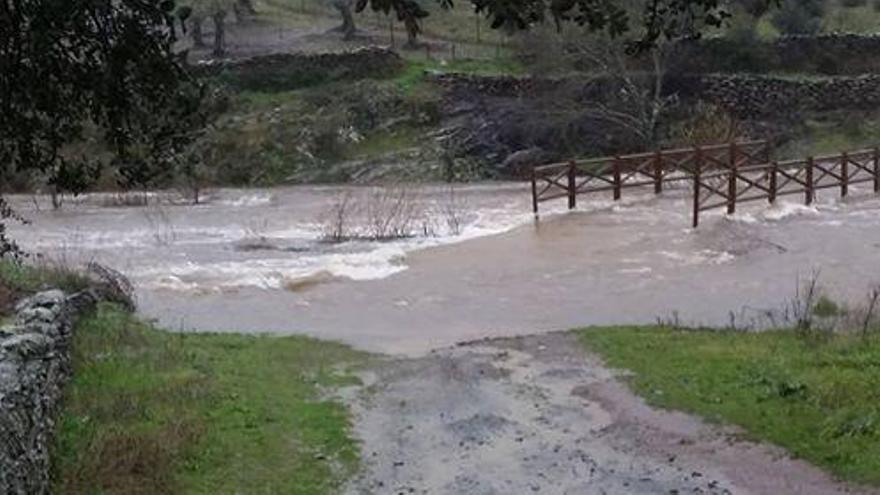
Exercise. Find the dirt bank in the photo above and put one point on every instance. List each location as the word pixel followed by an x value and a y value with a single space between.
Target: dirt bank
pixel 538 415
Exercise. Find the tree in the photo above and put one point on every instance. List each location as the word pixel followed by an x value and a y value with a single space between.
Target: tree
pixel 411 16
pixel 348 28
pixel 217 11
pixel 69 66
pixel 623 93
pixel 656 18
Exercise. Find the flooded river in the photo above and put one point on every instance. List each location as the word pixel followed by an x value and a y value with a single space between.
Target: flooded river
pixel 475 263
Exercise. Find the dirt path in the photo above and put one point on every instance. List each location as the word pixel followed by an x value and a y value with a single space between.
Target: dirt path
pixel 537 415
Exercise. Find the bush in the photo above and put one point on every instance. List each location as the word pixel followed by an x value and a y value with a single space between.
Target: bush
pixel 799 16
pixel 850 4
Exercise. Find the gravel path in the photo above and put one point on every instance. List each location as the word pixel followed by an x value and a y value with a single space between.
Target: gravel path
pixel 538 415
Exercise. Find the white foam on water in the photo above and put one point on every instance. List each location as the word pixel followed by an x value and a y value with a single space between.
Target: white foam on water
pixel 782 210
pixel 271 273
pixel 702 257
pixel 257 199
pixel 355 260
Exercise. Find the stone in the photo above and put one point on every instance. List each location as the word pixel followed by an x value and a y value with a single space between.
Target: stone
pixel 34 368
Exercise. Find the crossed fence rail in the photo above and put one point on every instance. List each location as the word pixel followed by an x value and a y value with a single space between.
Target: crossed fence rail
pixel 722 175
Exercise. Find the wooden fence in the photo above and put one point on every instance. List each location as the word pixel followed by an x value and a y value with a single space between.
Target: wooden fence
pixel 768 181
pixel 616 173
pixel 722 175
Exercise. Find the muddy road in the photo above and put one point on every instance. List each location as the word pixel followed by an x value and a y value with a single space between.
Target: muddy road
pixel 539 415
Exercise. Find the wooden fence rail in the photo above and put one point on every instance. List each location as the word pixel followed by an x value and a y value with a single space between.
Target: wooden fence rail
pixel 722 175
pixel 616 173
pixel 769 181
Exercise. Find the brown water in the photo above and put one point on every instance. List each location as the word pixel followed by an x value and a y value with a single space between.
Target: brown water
pixel 250 260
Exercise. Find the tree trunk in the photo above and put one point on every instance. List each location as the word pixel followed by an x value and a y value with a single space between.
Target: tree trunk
pixel 56 198
pixel 412 34
pixel 196 32
pixel 347 28
pixel 219 33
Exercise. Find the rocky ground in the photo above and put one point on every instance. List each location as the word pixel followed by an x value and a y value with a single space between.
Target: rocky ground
pixel 539 415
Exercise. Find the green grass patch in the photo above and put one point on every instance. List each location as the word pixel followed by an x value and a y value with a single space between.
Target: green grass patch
pixel 384 142
pixel 29 278
pixel 819 401
pixel 155 412
pixel 415 72
pixel 20 279
pixel 834 133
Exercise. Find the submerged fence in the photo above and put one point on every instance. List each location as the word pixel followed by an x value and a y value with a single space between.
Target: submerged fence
pixel 722 175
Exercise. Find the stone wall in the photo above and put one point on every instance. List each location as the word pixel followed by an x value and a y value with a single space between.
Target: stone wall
pixel 829 54
pixel 287 71
pixel 34 368
pixel 747 96
pixel 767 97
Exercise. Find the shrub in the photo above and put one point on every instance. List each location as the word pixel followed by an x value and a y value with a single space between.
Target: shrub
pixel 799 16
pixel 850 4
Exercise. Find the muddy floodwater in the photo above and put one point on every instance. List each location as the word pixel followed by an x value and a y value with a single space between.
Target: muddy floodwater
pixel 476 263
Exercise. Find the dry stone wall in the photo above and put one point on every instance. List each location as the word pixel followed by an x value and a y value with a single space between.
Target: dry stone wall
pixel 34 368
pixel 288 71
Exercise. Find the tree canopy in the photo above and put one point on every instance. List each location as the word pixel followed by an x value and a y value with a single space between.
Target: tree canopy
pixel 645 21
pixel 91 69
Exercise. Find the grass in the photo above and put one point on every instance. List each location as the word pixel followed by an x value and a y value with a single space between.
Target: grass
pixel 833 133
pixel 381 143
pixel 819 401
pixel 415 72
pixel 18 280
pixel 29 278
pixel 155 412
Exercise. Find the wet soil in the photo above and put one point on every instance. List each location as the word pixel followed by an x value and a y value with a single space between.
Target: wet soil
pixel 538 414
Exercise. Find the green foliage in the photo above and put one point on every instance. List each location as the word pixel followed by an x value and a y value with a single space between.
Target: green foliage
pixel 819 402
pixel 825 307
pixel 106 63
pixel 156 412
pixel 71 66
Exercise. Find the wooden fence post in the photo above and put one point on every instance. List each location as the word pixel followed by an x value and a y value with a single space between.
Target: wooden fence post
pixel 698 165
pixel 534 192
pixel 616 169
pixel 774 171
pixel 572 185
pixel 809 194
pixel 731 180
pixel 658 172
pixel 844 174
pixel 876 169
